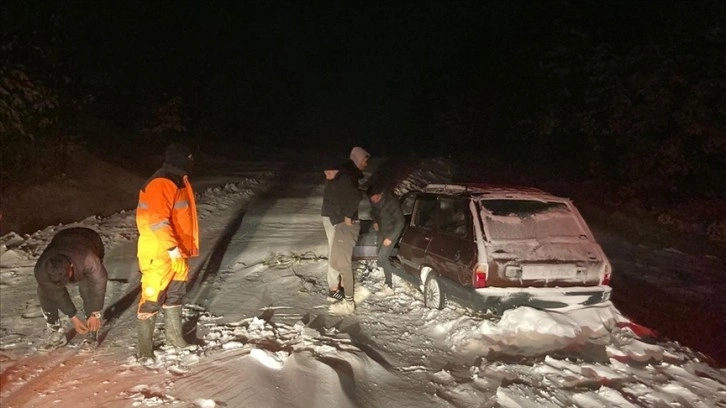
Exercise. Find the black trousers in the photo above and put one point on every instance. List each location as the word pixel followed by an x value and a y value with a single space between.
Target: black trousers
pixel 48 307
pixel 384 260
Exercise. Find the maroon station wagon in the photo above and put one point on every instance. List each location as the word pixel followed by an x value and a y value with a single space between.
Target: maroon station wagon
pixel 495 247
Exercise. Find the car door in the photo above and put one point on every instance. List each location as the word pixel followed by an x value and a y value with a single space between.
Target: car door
pixel 452 251
pixel 417 235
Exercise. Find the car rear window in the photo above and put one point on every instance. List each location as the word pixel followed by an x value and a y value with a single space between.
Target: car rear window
pixel 530 219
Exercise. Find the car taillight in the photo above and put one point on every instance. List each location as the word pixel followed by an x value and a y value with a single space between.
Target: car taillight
pixel 480 276
pixel 606 275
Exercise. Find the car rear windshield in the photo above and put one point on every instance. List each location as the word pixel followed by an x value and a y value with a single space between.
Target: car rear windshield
pixel 530 219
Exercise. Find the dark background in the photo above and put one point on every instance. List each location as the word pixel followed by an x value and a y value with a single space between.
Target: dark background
pixel 627 93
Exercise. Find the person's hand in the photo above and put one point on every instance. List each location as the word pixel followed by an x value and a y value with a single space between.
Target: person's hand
pixel 375 226
pixel 178 263
pixel 387 242
pixel 79 325
pixel 94 322
pixel 348 221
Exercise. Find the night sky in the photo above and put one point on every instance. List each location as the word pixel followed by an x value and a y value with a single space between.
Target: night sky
pixel 508 77
pixel 332 72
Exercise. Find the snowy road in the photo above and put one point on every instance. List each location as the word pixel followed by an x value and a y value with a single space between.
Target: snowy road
pixel 256 305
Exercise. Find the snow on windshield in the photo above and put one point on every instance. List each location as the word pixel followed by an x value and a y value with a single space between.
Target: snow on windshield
pixel 510 219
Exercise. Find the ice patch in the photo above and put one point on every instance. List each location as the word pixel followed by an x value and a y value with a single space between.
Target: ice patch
pixel 204 403
pixel 11 256
pixel 232 345
pixel 274 360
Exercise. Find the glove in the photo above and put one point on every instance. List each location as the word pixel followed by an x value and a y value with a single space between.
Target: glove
pixel 178 263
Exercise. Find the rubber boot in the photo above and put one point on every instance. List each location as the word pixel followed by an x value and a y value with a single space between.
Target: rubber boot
pixel 146 337
pixel 173 327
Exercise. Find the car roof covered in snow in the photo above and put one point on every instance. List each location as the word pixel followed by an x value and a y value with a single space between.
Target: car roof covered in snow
pixel 481 190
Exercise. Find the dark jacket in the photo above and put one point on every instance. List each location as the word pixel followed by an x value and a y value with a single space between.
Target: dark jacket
pixel 387 213
pixel 342 195
pixel 84 250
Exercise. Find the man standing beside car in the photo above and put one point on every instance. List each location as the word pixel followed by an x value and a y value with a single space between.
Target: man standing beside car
pixel 340 204
pixel 388 221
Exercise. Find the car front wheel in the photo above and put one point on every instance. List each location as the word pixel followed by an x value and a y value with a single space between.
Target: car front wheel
pixel 433 293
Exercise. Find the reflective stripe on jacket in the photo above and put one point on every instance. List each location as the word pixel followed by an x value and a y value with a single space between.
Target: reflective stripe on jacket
pixel 166 217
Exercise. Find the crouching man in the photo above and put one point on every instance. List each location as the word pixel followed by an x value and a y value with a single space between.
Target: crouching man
pixel 74 255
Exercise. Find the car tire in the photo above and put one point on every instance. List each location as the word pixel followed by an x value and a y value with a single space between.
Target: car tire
pixel 433 292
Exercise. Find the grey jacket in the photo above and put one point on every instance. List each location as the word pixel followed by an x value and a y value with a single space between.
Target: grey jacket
pixel 387 213
pixel 84 249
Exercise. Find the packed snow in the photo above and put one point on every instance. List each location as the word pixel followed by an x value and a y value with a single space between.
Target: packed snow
pixel 256 306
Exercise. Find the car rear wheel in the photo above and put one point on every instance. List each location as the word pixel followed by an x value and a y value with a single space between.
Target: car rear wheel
pixel 433 293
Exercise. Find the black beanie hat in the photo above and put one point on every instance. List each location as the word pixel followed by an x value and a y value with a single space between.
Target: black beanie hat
pixel 179 155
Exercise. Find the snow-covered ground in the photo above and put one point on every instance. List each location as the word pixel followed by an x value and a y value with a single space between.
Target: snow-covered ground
pixel 256 305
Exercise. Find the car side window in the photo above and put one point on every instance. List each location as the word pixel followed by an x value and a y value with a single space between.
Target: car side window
pixel 407 204
pixel 454 216
pixel 425 210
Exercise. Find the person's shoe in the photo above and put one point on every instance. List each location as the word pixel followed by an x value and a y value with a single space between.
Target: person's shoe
pixel 336 295
pixel 90 341
pixel 344 307
pixel 55 336
pixel 91 337
pixel 52 327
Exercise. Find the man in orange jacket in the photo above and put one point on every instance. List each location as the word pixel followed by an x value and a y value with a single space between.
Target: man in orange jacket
pixel 166 217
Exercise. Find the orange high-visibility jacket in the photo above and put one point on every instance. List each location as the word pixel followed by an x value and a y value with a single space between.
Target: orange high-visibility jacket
pixel 166 217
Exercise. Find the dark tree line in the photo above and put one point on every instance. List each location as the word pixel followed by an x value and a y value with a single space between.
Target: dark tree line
pixel 627 93
pixel 632 94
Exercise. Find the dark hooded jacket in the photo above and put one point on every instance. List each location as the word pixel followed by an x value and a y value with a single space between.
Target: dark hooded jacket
pixel 387 213
pixel 342 196
pixel 84 250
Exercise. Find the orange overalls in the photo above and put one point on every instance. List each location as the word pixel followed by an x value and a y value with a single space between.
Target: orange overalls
pixel 166 217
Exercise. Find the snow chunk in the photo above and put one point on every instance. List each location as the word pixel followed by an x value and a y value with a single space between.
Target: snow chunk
pixel 274 360
pixel 10 256
pixel 232 345
pixel 204 403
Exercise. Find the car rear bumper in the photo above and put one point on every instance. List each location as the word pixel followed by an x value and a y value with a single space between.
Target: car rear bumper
pixel 577 294
pixel 500 299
